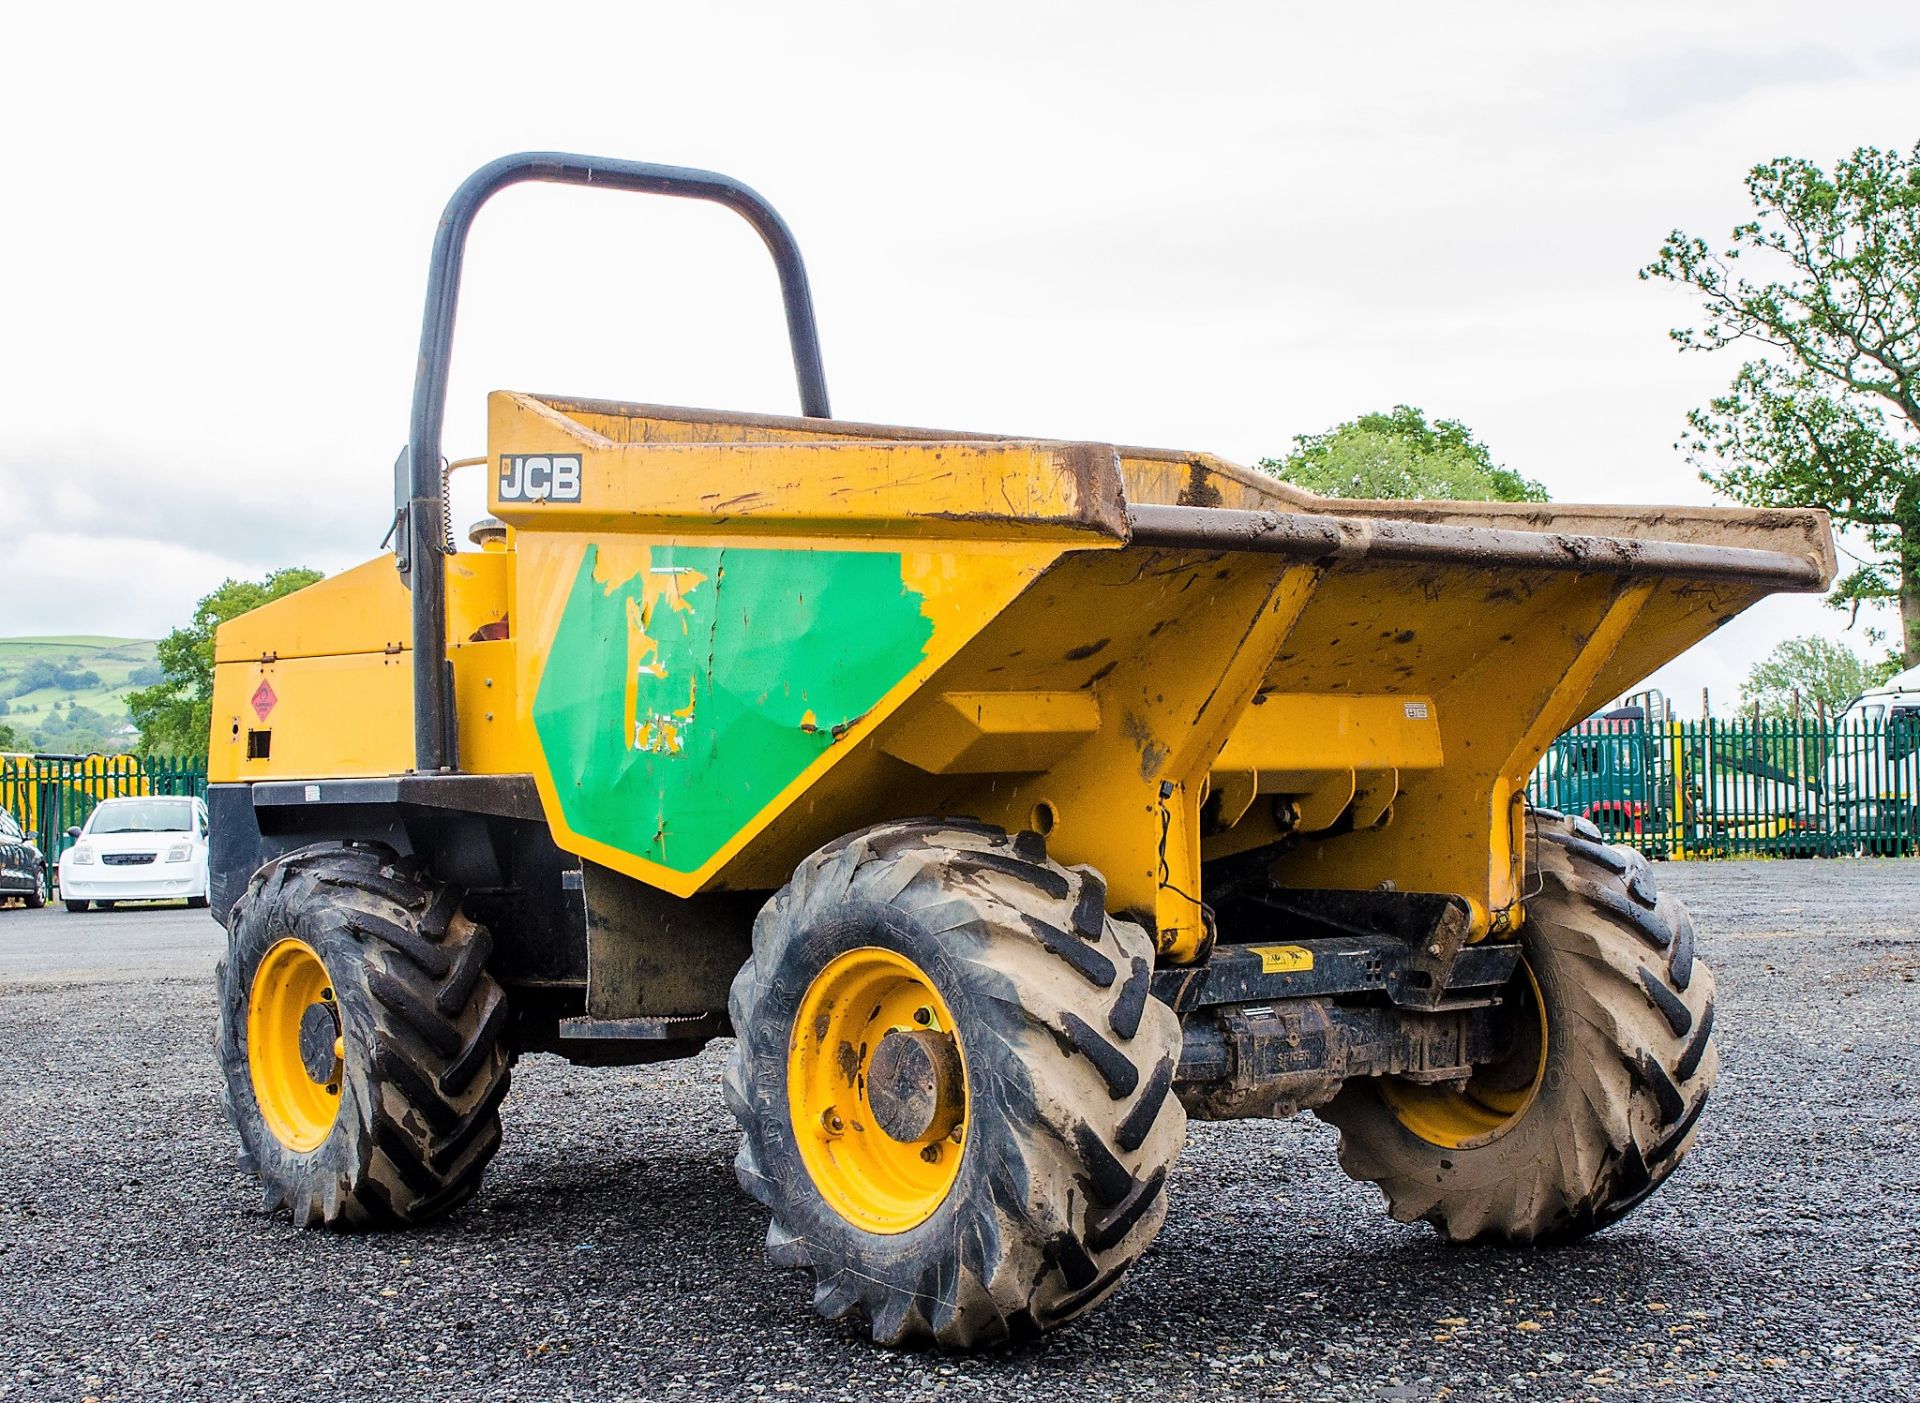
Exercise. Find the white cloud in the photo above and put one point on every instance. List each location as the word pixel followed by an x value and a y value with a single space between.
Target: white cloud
pixel 98 582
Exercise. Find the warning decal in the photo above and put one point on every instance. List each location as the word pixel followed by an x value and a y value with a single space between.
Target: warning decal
pixel 1282 959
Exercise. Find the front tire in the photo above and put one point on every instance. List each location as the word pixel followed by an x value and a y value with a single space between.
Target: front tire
pixel 1051 1181
pixel 76 906
pixel 362 1041
pixel 1570 1133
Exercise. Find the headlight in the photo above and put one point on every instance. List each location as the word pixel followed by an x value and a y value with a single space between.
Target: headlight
pixel 179 852
pixel 82 853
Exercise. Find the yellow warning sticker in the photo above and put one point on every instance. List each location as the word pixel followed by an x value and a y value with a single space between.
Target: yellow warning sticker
pixel 1282 959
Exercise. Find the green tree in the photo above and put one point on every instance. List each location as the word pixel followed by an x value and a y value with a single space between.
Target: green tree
pixel 78 730
pixel 1401 455
pixel 66 676
pixel 1818 670
pixel 1827 412
pixel 11 739
pixel 175 714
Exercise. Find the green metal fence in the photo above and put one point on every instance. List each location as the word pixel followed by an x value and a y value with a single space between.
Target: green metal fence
pixel 1713 788
pixel 1678 789
pixel 49 795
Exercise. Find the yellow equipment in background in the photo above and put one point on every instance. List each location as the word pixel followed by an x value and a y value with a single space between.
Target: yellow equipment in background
pixel 48 793
pixel 1006 799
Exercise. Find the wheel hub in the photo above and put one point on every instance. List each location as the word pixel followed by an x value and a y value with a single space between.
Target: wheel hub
pixel 876 1088
pixel 296 1047
pixel 1489 1103
pixel 319 1031
pixel 915 1085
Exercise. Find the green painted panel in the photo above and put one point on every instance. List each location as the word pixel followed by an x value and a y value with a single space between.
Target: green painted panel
pixel 744 666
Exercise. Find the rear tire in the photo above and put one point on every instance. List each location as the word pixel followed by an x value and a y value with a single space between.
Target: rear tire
pixel 1629 1060
pixel 417 1041
pixel 1069 1127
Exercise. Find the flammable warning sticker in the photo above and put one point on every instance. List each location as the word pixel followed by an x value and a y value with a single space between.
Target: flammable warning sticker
pixel 1282 959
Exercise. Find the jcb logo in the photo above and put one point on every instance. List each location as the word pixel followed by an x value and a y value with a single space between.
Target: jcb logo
pixel 539 477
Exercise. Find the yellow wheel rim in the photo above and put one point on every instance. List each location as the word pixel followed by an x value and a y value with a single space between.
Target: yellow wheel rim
pixel 1492 1101
pixel 295 1046
pixel 871 1178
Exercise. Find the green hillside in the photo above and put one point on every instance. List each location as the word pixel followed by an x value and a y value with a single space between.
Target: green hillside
pixel 53 703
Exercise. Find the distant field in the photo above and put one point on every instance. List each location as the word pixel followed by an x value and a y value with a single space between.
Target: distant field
pixel 114 659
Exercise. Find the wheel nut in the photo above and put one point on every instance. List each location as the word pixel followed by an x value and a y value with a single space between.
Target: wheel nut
pixel 931 1154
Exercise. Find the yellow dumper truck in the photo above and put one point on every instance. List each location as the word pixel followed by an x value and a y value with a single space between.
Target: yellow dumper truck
pixel 1007 801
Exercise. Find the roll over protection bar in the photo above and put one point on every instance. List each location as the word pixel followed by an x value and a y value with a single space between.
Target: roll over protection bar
pixel 420 529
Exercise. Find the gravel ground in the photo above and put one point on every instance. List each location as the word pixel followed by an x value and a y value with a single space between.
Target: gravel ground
pixel 611 1256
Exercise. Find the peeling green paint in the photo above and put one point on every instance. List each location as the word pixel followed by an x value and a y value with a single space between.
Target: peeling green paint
pixel 746 665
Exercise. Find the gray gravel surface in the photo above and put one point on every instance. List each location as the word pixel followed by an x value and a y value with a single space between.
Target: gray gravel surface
pixel 610 1254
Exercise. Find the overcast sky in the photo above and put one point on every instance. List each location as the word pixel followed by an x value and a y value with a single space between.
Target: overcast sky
pixel 1197 226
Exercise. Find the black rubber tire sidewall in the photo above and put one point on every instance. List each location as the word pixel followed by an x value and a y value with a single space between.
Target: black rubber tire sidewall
pixel 1630 1064
pixel 997 1088
pixel 340 1159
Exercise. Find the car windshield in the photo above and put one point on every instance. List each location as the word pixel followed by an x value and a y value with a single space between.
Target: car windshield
pixel 143 816
pixel 1859 729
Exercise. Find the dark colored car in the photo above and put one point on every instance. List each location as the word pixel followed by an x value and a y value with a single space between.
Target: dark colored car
pixel 23 870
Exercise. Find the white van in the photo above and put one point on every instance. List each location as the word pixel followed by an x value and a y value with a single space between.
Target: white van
pixel 1871 781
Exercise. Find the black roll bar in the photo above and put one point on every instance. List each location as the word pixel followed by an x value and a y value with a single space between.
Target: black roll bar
pixel 423 531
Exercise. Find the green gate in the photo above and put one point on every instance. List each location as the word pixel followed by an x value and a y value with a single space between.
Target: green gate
pixel 1721 788
pixel 50 794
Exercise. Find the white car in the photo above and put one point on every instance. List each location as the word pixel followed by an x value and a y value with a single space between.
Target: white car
pixel 143 849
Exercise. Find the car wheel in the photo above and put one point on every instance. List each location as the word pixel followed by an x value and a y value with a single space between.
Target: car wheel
pixel 76 906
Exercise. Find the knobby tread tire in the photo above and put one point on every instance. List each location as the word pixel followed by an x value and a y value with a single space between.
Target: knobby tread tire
pixel 1071 1130
pixel 1630 1062
pixel 427 1064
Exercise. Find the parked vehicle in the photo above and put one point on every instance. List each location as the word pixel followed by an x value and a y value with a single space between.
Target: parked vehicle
pixel 1609 769
pixel 1871 780
pixel 142 849
pixel 23 869
pixel 1675 788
